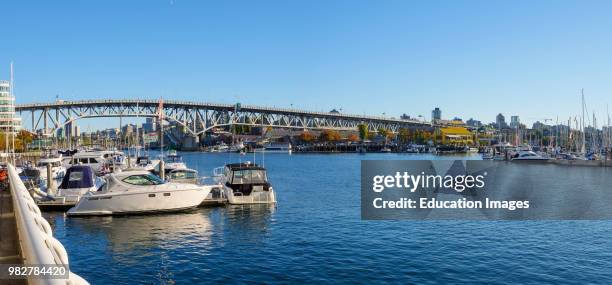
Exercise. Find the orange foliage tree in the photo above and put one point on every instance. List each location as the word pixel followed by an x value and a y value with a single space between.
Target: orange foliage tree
pixel 306 137
pixel 329 136
pixel 353 137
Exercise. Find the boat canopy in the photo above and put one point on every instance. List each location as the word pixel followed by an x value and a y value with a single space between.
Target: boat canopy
pixel 78 176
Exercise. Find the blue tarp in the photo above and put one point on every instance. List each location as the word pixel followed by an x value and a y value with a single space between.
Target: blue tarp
pixel 78 176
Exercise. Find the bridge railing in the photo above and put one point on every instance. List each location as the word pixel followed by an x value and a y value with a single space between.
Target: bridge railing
pixel 38 246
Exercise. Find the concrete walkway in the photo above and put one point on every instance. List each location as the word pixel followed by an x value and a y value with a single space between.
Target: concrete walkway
pixel 9 241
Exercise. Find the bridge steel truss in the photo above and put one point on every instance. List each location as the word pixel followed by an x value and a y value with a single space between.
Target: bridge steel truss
pixel 197 118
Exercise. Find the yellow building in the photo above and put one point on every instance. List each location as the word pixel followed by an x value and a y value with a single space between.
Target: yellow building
pixel 455 136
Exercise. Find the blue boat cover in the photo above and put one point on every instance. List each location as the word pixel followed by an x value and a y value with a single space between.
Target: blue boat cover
pixel 78 176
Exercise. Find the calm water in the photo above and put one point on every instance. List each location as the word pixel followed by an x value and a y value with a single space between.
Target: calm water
pixel 315 235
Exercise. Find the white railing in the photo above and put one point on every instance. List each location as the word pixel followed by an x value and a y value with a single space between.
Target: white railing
pixel 38 246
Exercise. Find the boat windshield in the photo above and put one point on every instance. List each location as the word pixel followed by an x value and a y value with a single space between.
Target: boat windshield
pixel 183 175
pixel 143 179
pixel 249 176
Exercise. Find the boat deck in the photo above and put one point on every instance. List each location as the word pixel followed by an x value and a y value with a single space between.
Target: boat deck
pixel 54 206
pixel 221 201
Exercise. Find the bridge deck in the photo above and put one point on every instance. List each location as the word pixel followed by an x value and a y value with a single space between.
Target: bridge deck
pixel 9 241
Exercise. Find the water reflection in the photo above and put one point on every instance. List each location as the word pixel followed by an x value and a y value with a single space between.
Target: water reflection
pixel 125 233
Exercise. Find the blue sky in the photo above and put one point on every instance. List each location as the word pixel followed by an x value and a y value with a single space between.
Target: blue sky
pixel 470 58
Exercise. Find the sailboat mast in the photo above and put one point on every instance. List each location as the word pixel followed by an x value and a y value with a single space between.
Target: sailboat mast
pixel 583 149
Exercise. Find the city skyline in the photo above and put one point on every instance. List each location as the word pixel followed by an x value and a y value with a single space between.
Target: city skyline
pixel 473 60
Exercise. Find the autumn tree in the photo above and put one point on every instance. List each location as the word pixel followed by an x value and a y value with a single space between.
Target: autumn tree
pixel 404 135
pixel 329 136
pixel 353 138
pixel 306 137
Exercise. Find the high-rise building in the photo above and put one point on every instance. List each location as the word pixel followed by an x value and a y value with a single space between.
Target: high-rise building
pixel 500 121
pixel 515 122
pixel 70 130
pixel 149 125
pixel 473 123
pixel 436 114
pixel 9 122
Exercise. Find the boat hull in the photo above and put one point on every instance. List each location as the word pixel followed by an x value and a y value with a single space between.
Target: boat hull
pixel 533 160
pixel 140 202
pixel 260 197
pixel 578 162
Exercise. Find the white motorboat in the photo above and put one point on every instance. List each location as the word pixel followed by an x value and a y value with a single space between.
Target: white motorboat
pixel 275 148
pixel 139 192
pixel 95 160
pixel 245 183
pixel 172 161
pixel 57 169
pixel 78 181
pixel 222 147
pixel 146 163
pixel 529 156
pixel 115 159
pixel 237 147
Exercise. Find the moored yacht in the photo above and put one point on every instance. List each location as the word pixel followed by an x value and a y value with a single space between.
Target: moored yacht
pixel 529 156
pixel 146 163
pixel 57 169
pixel 237 147
pixel 95 160
pixel 138 192
pixel 275 148
pixel 172 161
pixel 246 183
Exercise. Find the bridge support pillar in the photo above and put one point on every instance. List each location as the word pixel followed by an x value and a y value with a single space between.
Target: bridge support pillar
pixel 190 143
pixel 45 122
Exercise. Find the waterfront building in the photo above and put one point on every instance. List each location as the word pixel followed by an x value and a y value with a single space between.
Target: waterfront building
pixel 436 115
pixel 514 122
pixel 9 122
pixel 456 135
